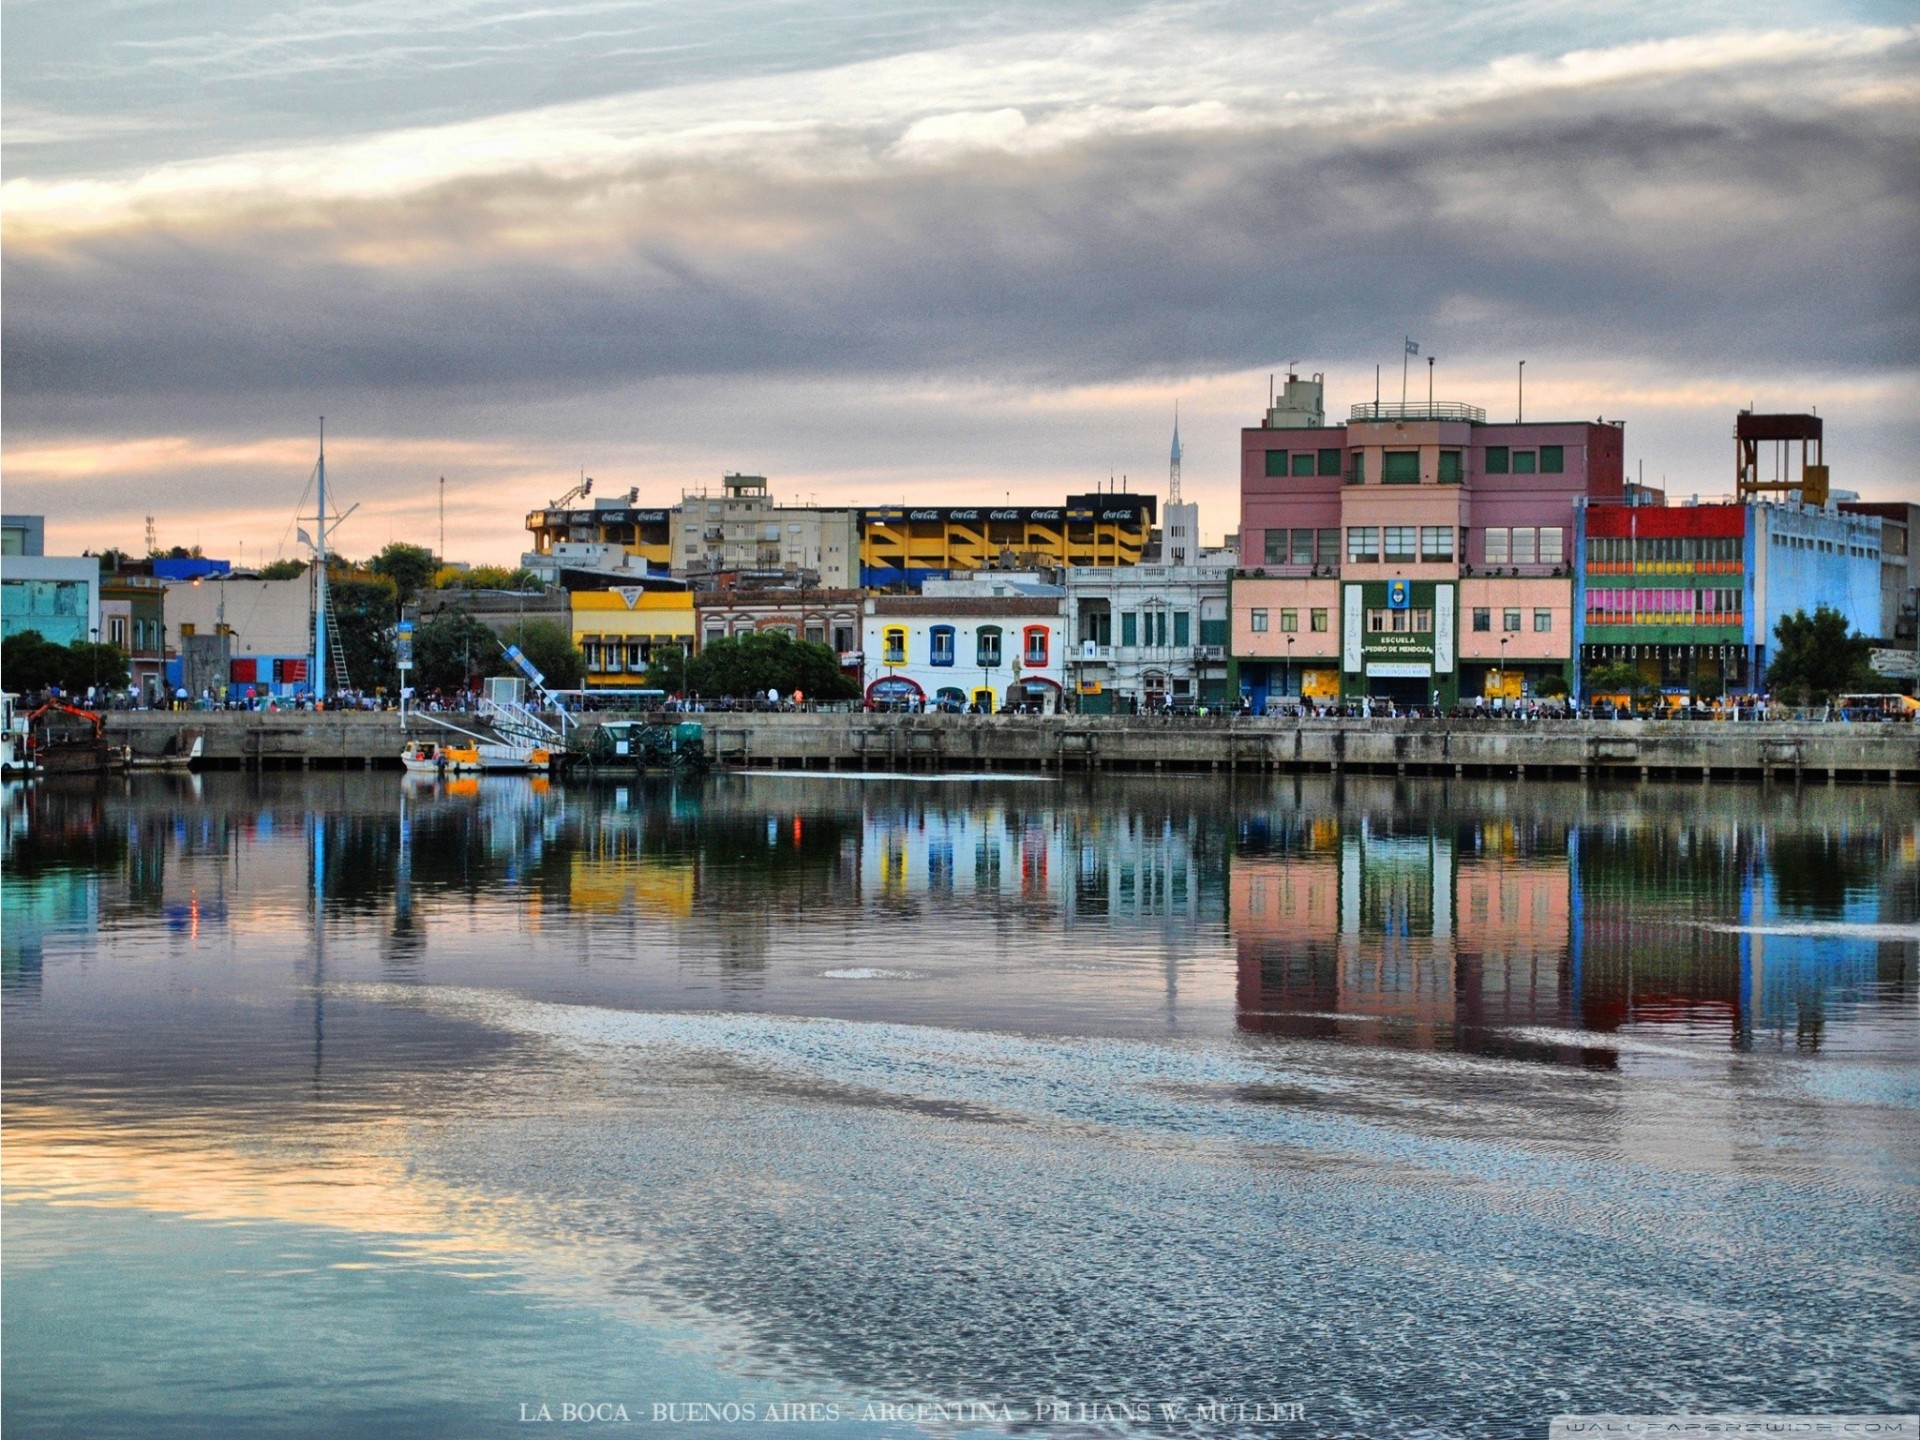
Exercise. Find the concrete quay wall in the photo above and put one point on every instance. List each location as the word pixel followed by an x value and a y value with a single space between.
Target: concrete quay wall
pixel 1694 749
pixel 1691 749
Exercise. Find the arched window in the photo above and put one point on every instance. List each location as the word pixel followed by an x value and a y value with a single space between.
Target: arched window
pixel 940 645
pixel 1036 646
pixel 893 645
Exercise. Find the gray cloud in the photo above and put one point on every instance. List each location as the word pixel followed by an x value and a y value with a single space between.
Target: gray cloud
pixel 1682 223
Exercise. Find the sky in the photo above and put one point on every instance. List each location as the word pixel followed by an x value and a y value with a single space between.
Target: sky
pixel 942 251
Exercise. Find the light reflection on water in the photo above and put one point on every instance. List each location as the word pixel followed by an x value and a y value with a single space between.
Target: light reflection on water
pixel 1433 1106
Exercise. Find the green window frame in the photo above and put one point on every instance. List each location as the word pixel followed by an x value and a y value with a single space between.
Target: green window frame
pixel 1129 628
pixel 1452 471
pixel 1497 463
pixel 1523 462
pixel 1276 464
pixel 1182 627
pixel 1553 459
pixel 1330 461
pixel 1302 463
pixel 1400 467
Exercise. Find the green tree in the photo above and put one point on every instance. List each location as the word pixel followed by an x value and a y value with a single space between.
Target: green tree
pixel 410 567
pixel 668 669
pixel 451 649
pixel 1620 677
pixel 746 665
pixel 29 662
pixel 486 577
pixel 551 649
pixel 365 611
pixel 1818 656
pixel 90 663
pixel 283 570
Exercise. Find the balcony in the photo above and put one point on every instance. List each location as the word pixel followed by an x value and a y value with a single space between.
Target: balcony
pixel 1416 410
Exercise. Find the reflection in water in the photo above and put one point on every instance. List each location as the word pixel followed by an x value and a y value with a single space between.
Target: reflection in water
pixel 1392 1097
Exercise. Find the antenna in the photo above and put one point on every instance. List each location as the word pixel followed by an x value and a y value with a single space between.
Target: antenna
pixel 443 519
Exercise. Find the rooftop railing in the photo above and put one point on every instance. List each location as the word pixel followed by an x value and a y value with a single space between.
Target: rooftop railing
pixel 1417 410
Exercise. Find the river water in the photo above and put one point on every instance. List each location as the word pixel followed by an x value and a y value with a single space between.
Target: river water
pixel 342 1105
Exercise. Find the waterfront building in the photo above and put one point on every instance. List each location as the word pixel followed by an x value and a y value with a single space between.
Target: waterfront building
pixel 1691 593
pixel 133 619
pixel 57 595
pixel 742 533
pixel 990 640
pixel 620 631
pixel 822 617
pixel 1416 552
pixel 1899 569
pixel 229 635
pixel 1147 637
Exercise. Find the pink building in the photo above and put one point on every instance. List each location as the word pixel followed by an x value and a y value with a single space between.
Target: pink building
pixel 1414 553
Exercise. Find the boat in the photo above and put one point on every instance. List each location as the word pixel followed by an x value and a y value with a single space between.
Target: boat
pixel 436 757
pixel 15 759
pixel 57 745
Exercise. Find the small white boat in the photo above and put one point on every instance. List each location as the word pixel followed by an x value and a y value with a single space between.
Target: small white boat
pixel 435 757
pixel 15 758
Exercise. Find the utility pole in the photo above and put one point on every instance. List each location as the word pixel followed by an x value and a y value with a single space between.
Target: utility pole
pixel 1520 412
pixel 443 519
pixel 320 582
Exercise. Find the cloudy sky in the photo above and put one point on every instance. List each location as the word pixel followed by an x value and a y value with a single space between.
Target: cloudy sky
pixel 925 249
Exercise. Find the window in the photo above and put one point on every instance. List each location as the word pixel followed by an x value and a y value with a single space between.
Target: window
pixel 1330 461
pixel 1289 621
pixel 1257 621
pixel 1129 628
pixel 772 532
pixel 117 631
pixel 1552 545
pixel 1363 544
pixel 186 629
pixel 1451 469
pixel 940 645
pixel 1510 621
pixel 816 633
pixel 1357 468
pixel 1182 627
pixel 1400 467
pixel 1523 462
pixel 1553 459
pixel 1523 545
pixel 1400 543
pixel 1436 542
pixel 1542 622
pixel 1301 552
pixel 1276 547
pixel 715 634
pixel 1303 462
pixel 1036 647
pixel 843 638
pixel 1482 619
pixel 1276 463
pixel 893 645
pixel 1319 619
pixel 1496 460
pixel 1496 543
pixel 986 646
pixel 1326 549
pixel 1399 622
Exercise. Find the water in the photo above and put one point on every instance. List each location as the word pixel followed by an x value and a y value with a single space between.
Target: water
pixel 346 1106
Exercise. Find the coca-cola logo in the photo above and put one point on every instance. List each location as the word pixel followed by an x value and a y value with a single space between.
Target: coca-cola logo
pixel 923 514
pixel 1003 514
pixel 963 514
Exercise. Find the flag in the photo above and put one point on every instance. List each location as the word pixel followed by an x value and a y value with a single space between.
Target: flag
pixel 1413 347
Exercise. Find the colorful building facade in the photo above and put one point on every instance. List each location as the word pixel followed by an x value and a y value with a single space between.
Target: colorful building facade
pixel 966 647
pixel 1415 553
pixel 620 632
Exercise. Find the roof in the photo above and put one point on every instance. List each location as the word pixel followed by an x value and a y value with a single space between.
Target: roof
pixel 941 607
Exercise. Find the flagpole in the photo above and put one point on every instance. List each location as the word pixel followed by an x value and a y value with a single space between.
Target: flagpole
pixel 1406 349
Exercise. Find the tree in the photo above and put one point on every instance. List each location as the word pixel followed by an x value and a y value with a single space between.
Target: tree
pixel 485 577
pixel 365 611
pixel 743 665
pixel 1818 656
pixel 1552 687
pixel 1619 677
pixel 452 649
pixel 91 663
pixel 283 570
pixel 668 668
pixel 29 662
pixel 549 647
pixel 411 568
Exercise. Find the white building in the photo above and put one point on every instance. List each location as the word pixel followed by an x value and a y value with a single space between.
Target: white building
pixel 1149 637
pixel 741 529
pixel 989 641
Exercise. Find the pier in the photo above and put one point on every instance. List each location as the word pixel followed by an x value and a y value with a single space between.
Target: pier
pixel 1669 749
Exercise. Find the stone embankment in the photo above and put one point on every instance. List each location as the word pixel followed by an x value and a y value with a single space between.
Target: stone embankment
pixel 1701 750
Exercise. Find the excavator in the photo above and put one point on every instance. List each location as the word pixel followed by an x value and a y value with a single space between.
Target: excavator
pixel 60 748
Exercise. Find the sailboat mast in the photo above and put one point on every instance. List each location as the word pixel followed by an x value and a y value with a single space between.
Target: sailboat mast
pixel 320 584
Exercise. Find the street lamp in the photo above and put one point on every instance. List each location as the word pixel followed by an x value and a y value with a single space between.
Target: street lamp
pixel 1286 683
pixel 1503 666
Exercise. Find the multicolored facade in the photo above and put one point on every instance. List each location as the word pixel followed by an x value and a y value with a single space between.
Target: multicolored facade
pixel 1416 554
pixel 902 546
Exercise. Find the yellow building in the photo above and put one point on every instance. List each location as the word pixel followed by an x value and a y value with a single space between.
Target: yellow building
pixel 904 545
pixel 620 631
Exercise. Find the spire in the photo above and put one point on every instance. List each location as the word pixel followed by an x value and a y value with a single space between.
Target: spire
pixel 1173 468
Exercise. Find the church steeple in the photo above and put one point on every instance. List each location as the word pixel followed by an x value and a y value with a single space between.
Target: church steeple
pixel 1173 468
